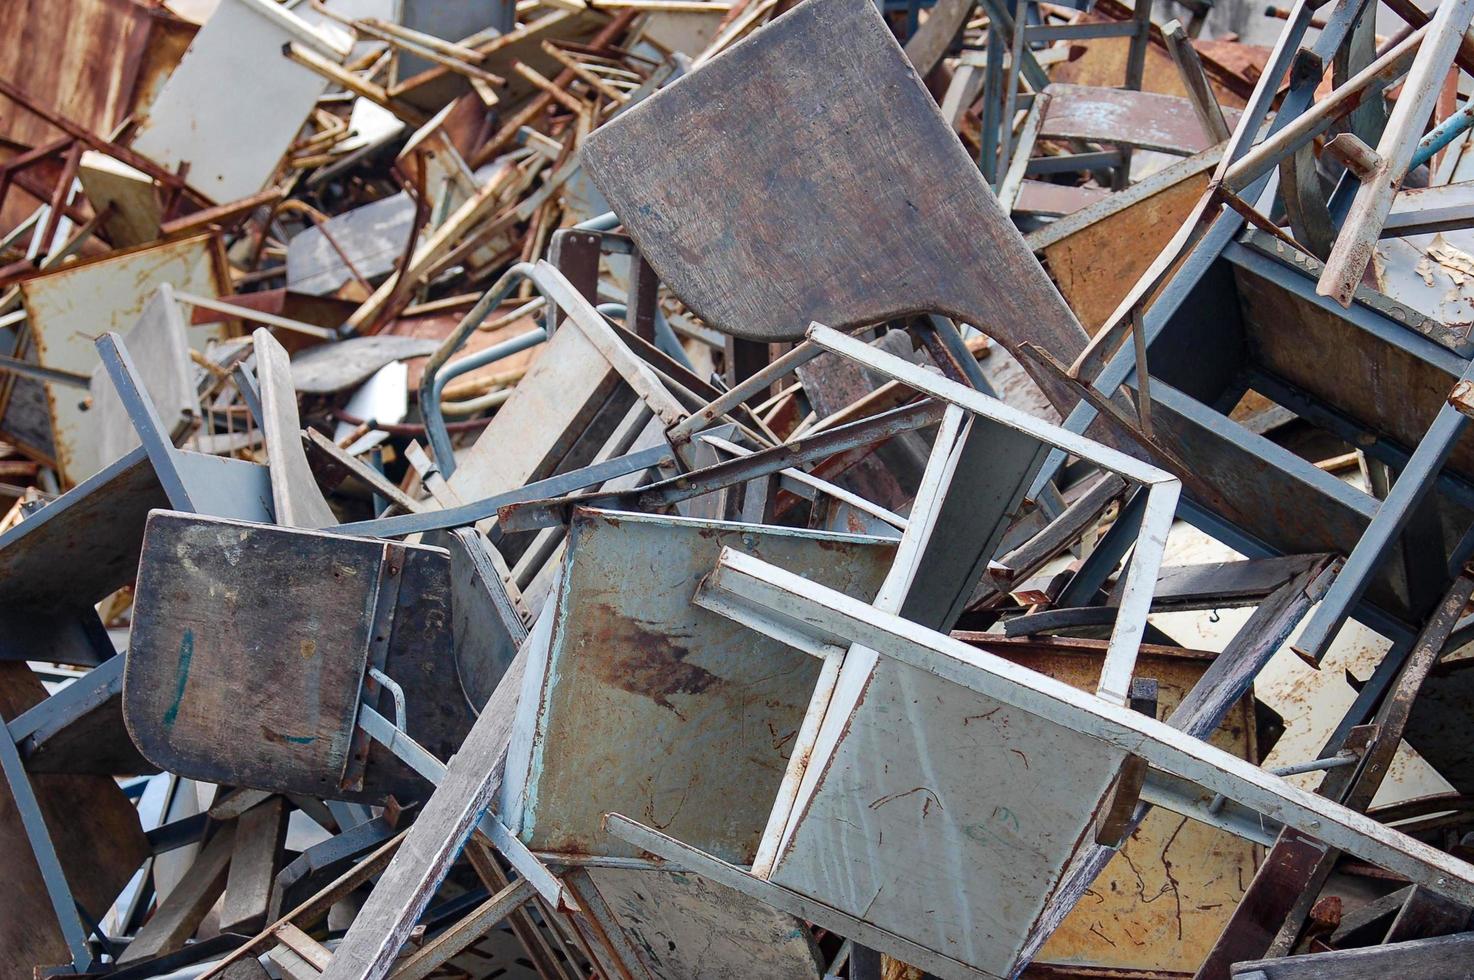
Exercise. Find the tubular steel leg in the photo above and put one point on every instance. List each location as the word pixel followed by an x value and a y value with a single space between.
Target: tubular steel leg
pixel 1412 486
pixel 63 905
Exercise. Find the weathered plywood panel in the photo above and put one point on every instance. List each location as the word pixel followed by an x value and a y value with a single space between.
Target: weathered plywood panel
pixel 69 308
pixel 1095 273
pixel 683 925
pixel 763 187
pixel 249 648
pixel 642 693
pixel 235 103
pixel 1383 387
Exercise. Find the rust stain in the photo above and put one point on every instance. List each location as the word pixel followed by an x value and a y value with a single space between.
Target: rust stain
pixel 649 661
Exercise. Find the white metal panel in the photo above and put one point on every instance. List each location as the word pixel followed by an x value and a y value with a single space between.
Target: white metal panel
pixel 69 308
pixel 235 103
pixel 159 346
pixel 946 817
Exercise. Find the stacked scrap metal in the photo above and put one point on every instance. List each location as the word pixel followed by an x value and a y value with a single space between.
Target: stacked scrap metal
pixel 783 488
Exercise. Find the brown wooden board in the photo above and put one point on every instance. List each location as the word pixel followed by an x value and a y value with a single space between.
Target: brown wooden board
pixel 1091 268
pixel 1384 387
pixel 806 174
pixel 250 644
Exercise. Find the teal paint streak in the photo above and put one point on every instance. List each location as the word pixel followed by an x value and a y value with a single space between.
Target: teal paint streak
pixel 186 654
pixel 300 739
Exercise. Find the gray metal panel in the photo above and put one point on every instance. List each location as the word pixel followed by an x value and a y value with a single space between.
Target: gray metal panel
pixel 647 704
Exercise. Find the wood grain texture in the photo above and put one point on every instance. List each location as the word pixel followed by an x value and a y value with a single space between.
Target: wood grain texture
pixel 250 644
pixel 294 490
pixel 1091 269
pixel 468 787
pixel 806 174
pixel 180 913
pixel 259 835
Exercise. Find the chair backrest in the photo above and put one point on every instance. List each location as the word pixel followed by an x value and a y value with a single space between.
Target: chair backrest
pixel 251 645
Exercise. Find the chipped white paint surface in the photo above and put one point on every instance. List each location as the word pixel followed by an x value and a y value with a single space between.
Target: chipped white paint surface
pixel 68 309
pixel 235 103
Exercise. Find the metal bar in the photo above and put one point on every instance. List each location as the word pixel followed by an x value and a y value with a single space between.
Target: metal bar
pixel 145 416
pixel 1070 162
pixel 256 316
pixel 917 377
pixel 1077 32
pixel 1307 125
pixel 396 740
pixel 555 512
pixel 29 369
pixel 82 695
pixel 424 961
pixel 1412 486
pixel 487 507
pixel 63 906
pixel 741 392
pixel 430 409
pixel 684 856
pixel 1195 81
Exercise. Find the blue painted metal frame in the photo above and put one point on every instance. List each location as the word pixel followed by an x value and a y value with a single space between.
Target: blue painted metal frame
pixel 1304 69
pixel 63 905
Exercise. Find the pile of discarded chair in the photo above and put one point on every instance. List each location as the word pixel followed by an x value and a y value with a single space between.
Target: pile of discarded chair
pixel 786 488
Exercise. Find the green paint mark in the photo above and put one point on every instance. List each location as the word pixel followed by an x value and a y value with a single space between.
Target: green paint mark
pixel 186 654
pixel 300 739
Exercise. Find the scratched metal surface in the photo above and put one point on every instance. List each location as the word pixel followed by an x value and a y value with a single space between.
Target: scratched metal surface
pixel 69 307
pixel 946 817
pixel 647 705
pixel 683 925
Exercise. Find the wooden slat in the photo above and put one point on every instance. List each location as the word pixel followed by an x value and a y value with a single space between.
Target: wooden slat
pixel 182 910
